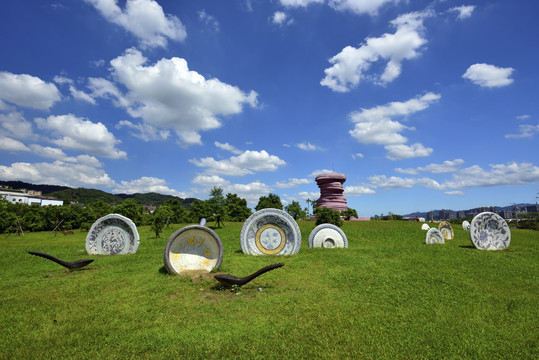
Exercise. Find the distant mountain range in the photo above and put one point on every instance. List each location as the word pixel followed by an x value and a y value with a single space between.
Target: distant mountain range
pixel 89 196
pixel 436 213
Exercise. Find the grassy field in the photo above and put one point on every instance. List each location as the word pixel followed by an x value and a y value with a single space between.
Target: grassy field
pixel 389 295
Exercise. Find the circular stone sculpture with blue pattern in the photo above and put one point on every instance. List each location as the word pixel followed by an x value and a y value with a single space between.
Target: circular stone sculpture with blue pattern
pixel 434 236
pixel 489 231
pixel 270 232
pixel 112 234
pixel 328 236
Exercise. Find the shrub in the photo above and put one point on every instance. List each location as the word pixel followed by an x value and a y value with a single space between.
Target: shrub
pixel 327 216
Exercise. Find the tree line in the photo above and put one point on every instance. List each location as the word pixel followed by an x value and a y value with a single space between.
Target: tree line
pixel 18 218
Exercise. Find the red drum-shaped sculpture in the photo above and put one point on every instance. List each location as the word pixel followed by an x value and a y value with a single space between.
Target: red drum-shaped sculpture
pixel 331 191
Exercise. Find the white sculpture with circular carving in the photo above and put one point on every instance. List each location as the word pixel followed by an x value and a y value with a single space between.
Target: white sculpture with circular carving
pixel 446 230
pixel 193 247
pixel 270 232
pixel 434 236
pixel 489 231
pixel 425 227
pixel 112 234
pixel 465 225
pixel 328 236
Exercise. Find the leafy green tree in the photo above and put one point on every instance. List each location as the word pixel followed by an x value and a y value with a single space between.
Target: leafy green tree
pixel 180 213
pixel 236 208
pixel 34 218
pixel 161 217
pixel 327 216
pixel 348 213
pixel 199 210
pixel 100 208
pixel 295 210
pixel 7 217
pixel 216 203
pixel 130 209
pixel 270 201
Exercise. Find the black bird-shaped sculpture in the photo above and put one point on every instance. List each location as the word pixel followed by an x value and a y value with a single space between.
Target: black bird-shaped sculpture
pixel 229 280
pixel 71 265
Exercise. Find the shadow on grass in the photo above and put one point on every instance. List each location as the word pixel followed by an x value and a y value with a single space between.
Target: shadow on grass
pixel 467 247
pixel 163 270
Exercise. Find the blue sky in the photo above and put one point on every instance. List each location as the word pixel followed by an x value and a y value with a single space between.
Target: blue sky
pixel 421 104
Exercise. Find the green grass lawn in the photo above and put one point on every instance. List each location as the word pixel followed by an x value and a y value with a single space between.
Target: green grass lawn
pixel 389 295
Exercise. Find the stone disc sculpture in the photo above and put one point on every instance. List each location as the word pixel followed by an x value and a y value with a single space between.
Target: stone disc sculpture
pixel 270 232
pixel 425 227
pixel 193 247
pixel 328 236
pixel 112 234
pixel 465 225
pixel 489 231
pixel 434 236
pixel 446 229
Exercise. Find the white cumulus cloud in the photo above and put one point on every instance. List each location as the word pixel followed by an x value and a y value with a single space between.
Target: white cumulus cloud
pixel 358 190
pixel 352 64
pixel 147 184
pixel 167 95
pixel 402 151
pixel 57 172
pixel 28 91
pixel 525 131
pixel 486 75
pixel 376 125
pixel 248 162
pixel 143 18
pixel 464 11
pixel 360 6
pixel 292 182
pixel 71 132
pixel 445 167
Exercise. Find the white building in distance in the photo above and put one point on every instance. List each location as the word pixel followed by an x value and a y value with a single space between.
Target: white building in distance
pixel 28 198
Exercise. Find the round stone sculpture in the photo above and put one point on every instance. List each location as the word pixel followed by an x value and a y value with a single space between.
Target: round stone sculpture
pixel 446 229
pixel 434 236
pixel 465 225
pixel 425 227
pixel 328 236
pixel 489 231
pixel 331 191
pixel 270 232
pixel 112 234
pixel 193 247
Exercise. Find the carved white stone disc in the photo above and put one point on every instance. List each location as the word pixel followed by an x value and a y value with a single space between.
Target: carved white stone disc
pixel 465 225
pixel 434 236
pixel 194 247
pixel 328 236
pixel 489 231
pixel 270 232
pixel 446 229
pixel 112 234
pixel 425 227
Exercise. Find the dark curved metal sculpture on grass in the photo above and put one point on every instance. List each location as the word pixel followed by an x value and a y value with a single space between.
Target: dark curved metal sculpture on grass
pixel 229 280
pixel 71 265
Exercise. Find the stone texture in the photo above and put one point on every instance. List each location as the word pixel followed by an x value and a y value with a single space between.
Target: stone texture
pixel 489 231
pixel 193 247
pixel 112 234
pixel 328 236
pixel 446 230
pixel 434 236
pixel 270 232
pixel 331 191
